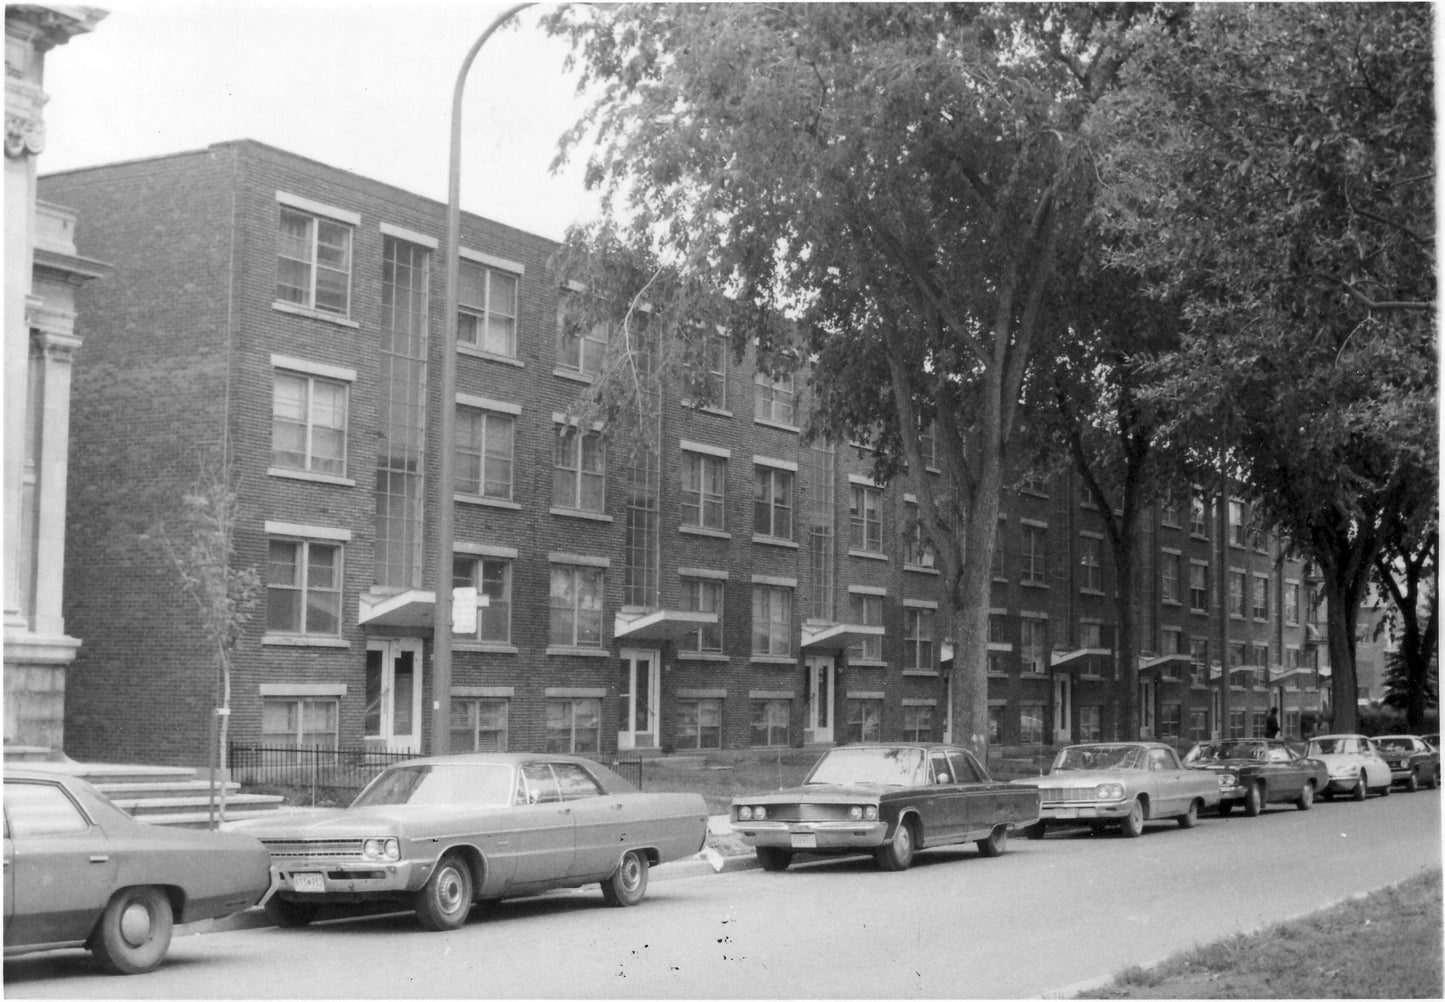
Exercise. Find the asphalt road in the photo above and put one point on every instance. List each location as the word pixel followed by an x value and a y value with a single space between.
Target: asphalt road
pixel 1042 920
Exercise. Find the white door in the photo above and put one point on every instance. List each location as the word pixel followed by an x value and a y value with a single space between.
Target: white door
pixel 1063 710
pixel 393 694
pixel 820 699
pixel 638 699
pixel 1147 687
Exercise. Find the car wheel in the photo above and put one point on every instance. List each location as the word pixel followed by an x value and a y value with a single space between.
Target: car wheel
pixel 1384 791
pixel 1361 790
pixel 898 854
pixel 1253 800
pixel 446 899
pixel 770 858
pixel 627 886
pixel 1133 824
pixel 1412 783
pixel 1306 797
pixel 1435 780
pixel 289 914
pixel 1035 830
pixel 1190 818
pixel 134 931
pixel 1225 806
pixel 996 842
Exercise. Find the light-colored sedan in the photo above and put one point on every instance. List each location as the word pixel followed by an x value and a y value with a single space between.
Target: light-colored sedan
pixel 1355 766
pixel 1123 783
pixel 438 834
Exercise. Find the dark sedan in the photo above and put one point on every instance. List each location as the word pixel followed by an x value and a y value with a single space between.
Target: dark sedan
pixel 888 800
pixel 1412 762
pixel 80 872
pixel 1255 772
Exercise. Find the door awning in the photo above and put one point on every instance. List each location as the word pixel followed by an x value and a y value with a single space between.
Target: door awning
pixel 663 624
pixel 1164 661
pixel 830 635
pixel 412 609
pixel 1078 658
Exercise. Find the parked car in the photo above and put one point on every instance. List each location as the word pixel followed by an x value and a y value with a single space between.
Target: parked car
pixel 1254 772
pixel 1412 762
pixel 1355 767
pixel 80 872
pixel 1124 783
pixel 888 799
pixel 440 833
pixel 1433 740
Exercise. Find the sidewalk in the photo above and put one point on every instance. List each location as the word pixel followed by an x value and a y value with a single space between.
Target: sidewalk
pixel 703 864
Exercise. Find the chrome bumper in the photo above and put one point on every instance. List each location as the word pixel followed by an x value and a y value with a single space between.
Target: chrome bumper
pixel 807 836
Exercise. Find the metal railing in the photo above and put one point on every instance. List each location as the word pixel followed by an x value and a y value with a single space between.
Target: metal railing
pixel 314 768
pixel 629 769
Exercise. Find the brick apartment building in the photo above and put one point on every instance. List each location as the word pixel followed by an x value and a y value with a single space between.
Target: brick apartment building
pixel 744 588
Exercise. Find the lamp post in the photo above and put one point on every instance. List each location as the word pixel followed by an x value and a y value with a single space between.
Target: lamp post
pixel 446 435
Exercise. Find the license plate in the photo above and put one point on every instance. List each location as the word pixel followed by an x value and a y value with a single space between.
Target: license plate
pixel 1064 812
pixel 308 883
pixel 806 840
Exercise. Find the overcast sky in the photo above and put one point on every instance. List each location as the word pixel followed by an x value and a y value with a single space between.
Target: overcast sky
pixel 364 85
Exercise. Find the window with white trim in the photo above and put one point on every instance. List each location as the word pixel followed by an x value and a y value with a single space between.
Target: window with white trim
pixel 917 722
pixel 308 423
pixel 479 723
pixel 1033 551
pixel 574 726
pixel 706 373
pixel 313 262
pixel 300 721
pixel 1198 587
pixel 867 611
pixel 487 309
pixel 1033 644
pixel 492 578
pixel 774 399
pixel 698 723
pixel 1091 564
pixel 303 587
pixel 575 604
pixel 772 620
pixel 1291 603
pixel 704 490
pixel 918 639
pixel 1169 564
pixel 769 722
pixel 703 595
pixel 485 453
pixel 582 347
pixel 1260 605
pixel 1236 593
pixel 579 476
pixel 1198 515
pixel 772 502
pixel 863 719
pixel 865 519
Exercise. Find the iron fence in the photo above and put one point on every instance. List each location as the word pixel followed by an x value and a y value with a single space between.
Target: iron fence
pixel 314 768
pixel 629 769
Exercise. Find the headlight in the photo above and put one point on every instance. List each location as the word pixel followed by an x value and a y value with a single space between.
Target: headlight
pixel 381 848
pixel 870 813
pixel 855 813
pixel 1227 779
pixel 1109 791
pixel 752 813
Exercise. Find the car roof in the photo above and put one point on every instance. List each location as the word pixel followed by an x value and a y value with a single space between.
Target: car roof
pixel 1116 744
pixel 1321 737
pixel 494 758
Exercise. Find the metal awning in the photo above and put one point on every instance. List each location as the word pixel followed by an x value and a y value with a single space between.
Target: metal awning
pixel 1163 661
pixel 412 609
pixel 1059 660
pixel 838 634
pixel 664 624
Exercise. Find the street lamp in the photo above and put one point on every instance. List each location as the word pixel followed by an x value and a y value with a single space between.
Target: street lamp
pixel 446 436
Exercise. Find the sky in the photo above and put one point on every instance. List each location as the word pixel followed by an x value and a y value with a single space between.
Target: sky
pixel 364 85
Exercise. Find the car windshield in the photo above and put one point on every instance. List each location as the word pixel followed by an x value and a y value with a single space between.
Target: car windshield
pixel 1242 749
pixel 1205 751
pixel 878 766
pixel 1394 744
pixel 1099 757
pixel 481 785
pixel 1334 746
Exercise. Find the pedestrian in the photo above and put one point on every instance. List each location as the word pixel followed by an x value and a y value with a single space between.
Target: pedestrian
pixel 1271 723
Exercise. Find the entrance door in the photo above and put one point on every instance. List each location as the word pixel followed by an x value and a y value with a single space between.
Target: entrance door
pixel 393 694
pixel 820 699
pixel 638 700
pixel 1147 691
pixel 1063 709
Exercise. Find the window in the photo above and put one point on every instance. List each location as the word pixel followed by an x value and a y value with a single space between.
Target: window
pixel 918 640
pixel 917 723
pixel 1171 716
pixel 863 719
pixel 998 629
pixel 703 595
pixel 313 262
pixel 1091 636
pixel 1261 597
pixel 1198 725
pixel 1237 651
pixel 769 722
pixel 704 489
pixel 579 474
pixel 1198 515
pixel 773 399
pixel 576 607
pixel 995 723
pixel 699 723
pixel 299 721
pixel 772 502
pixel 918 548
pixel 492 578
pixel 35 809
pixel 1291 603
pixel 928 445
pixel 1236 724
pixel 487 309
pixel 303 587
pixel 583 347
pixel 574 726
pixel 865 520
pixel 1091 723
pixel 479 724
pixel 1032 553
pixel 1259 654
pixel 1169 577
pixel 706 375
pixel 1198 587
pixel 401 446
pixel 308 424
pixel 867 611
pixel 1169 512
pixel 1199 659
pixel 1236 523
pixel 485 452
pixel 1031 723
pixel 1034 644
pixel 1236 593
pixel 1171 642
pixel 772 620
pixel 1312 606
pixel 1091 564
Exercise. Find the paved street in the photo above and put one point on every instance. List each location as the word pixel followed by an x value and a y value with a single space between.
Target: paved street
pixel 1044 917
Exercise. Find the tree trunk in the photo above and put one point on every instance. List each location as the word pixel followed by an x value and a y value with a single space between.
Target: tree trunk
pixel 970 612
pixel 1341 613
pixel 1126 552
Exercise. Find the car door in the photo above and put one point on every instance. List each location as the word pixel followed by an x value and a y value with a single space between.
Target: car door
pixel 941 802
pixel 1284 772
pixel 1169 791
pixel 545 836
pixel 60 866
pixel 604 824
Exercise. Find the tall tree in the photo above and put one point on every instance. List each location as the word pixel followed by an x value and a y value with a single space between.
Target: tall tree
pixel 879 188
pixel 1274 165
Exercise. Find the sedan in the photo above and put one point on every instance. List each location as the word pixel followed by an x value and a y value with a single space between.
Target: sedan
pixel 1355 767
pixel 1123 783
pixel 1412 762
pixel 890 800
pixel 80 872
pixel 437 834
pixel 1254 772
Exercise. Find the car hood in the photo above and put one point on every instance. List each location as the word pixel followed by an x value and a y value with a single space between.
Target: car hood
pixel 332 822
pixel 1082 777
pixel 832 793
